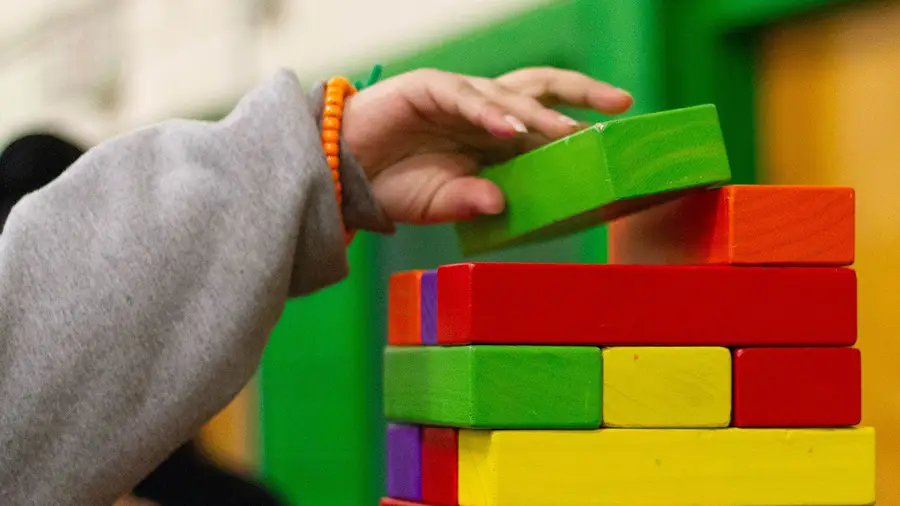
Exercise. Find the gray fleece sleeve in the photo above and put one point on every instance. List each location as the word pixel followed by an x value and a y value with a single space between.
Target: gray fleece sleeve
pixel 138 290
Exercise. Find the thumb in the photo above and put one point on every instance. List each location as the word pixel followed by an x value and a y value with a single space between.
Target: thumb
pixel 465 198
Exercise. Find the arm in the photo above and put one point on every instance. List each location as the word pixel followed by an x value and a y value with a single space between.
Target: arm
pixel 138 290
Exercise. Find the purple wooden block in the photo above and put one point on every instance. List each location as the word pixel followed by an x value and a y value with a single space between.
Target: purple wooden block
pixel 404 461
pixel 428 293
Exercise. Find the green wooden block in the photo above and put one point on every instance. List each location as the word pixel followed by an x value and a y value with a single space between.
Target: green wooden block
pixel 494 387
pixel 599 174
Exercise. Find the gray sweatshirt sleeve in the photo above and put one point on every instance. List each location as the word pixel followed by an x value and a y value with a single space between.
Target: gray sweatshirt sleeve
pixel 138 290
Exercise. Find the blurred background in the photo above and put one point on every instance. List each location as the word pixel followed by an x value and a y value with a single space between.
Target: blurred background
pixel 806 91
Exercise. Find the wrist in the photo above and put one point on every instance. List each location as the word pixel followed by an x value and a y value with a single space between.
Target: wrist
pixel 353 139
pixel 359 208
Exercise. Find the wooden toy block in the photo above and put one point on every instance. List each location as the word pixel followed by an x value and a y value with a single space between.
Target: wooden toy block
pixel 598 174
pixel 637 305
pixel 440 460
pixel 797 387
pixel 494 386
pixel 741 225
pixel 666 387
pixel 665 467
pixel 404 308
pixel 429 307
pixel 390 501
pixel 404 461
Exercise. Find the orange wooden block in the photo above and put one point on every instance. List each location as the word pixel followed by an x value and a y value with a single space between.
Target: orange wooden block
pixel 404 308
pixel 742 225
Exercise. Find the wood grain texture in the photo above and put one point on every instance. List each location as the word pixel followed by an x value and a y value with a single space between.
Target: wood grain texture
pixel 797 387
pixel 428 288
pixel 404 461
pixel 440 465
pixel 598 174
pixel 494 386
pixel 404 308
pixel 658 467
pixel 634 305
pixel 742 225
pixel 666 387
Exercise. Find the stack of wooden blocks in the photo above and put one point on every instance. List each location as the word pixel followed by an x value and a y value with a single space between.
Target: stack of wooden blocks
pixel 710 363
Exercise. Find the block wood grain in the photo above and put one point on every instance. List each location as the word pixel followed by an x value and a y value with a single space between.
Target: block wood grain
pixel 598 174
pixel 665 467
pixel 404 461
pixel 636 305
pixel 742 225
pixel 797 387
pixel 494 386
pixel 428 289
pixel 404 308
pixel 666 387
pixel 440 456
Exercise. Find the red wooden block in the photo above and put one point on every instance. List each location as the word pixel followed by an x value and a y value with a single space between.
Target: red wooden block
pixel 440 461
pixel 404 308
pixel 389 501
pixel 741 225
pixel 797 387
pixel 609 305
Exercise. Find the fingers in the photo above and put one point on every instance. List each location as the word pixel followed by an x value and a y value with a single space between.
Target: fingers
pixel 517 103
pixel 465 198
pixel 534 115
pixel 553 87
pixel 455 95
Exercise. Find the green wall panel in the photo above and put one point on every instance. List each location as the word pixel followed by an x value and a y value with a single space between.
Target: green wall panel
pixel 319 445
pixel 621 45
pixel 706 64
pixel 733 14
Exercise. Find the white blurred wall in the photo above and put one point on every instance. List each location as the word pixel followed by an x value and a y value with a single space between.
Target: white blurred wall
pixel 97 67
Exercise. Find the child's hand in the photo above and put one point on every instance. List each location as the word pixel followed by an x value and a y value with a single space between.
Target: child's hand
pixel 421 136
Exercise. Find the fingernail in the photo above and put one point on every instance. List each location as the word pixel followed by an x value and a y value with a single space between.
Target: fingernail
pixel 567 120
pixel 516 124
pixel 491 207
pixel 624 92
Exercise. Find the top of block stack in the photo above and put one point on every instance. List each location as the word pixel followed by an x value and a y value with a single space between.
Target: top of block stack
pixel 675 239
pixel 598 174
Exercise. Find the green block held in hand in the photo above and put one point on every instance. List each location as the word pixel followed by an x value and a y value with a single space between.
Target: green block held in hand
pixel 599 174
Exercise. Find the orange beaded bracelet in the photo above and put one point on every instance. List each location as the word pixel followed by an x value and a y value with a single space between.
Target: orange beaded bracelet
pixel 337 90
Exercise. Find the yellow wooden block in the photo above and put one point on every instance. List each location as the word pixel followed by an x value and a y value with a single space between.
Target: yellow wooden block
pixel 659 467
pixel 665 387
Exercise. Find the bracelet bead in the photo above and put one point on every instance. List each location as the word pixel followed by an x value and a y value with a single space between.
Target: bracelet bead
pixel 337 90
